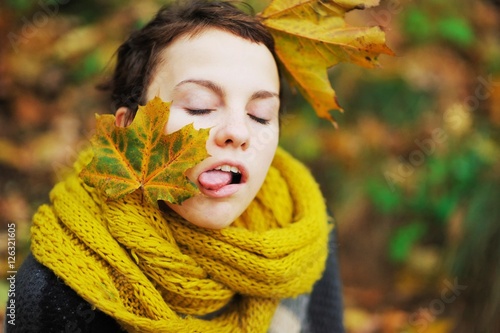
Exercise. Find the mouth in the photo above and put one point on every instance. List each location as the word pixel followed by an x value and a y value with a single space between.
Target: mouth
pixel 233 172
pixel 221 180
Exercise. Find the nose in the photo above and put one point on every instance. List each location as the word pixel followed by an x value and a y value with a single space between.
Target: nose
pixel 232 131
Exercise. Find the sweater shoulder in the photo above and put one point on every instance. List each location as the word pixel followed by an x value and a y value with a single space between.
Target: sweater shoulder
pixel 44 303
pixel 325 310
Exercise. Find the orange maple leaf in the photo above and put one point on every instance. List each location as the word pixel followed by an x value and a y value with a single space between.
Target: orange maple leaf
pixel 141 156
pixel 312 36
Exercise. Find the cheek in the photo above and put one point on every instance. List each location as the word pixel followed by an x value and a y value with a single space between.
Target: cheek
pixel 264 145
pixel 177 119
pixel 266 138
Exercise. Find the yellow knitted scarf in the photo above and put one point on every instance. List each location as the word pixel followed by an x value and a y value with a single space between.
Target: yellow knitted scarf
pixel 155 272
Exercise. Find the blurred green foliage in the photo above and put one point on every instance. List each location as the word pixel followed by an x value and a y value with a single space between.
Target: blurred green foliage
pixel 444 185
pixel 392 100
pixel 404 238
pixel 438 20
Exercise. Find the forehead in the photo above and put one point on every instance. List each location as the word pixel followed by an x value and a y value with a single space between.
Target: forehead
pixel 218 34
pixel 220 56
pixel 218 43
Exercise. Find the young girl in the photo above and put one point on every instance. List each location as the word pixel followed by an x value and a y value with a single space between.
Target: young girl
pixel 253 252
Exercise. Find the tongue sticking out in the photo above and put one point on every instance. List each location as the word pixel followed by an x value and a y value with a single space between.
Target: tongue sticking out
pixel 214 179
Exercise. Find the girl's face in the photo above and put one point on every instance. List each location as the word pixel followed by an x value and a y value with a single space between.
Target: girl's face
pixel 220 81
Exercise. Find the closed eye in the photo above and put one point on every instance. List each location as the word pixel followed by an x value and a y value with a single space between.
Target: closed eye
pixel 259 120
pixel 199 112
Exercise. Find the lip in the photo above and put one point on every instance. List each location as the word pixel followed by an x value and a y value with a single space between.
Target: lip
pixel 227 190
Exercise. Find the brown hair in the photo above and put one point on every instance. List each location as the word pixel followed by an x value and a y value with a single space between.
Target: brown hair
pixel 138 56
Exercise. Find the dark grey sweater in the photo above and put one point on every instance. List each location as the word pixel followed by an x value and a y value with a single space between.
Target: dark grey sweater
pixel 44 303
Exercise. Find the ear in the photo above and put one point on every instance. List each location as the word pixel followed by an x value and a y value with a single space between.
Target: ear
pixel 122 119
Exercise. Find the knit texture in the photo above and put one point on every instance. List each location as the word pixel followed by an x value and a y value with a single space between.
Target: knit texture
pixel 155 272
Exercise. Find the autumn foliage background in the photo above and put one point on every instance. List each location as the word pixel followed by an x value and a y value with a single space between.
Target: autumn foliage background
pixel 412 175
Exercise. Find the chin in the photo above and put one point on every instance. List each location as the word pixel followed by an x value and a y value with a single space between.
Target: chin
pixel 211 224
pixel 213 216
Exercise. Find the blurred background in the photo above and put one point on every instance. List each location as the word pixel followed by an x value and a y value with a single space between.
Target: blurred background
pixel 412 175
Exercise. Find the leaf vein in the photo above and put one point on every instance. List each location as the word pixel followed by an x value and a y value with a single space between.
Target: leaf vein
pixel 123 157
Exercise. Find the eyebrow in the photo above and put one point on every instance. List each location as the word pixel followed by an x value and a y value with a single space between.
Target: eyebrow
pixel 261 94
pixel 204 83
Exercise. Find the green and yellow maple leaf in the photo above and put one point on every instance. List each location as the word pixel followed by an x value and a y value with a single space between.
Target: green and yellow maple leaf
pixel 142 156
pixel 312 36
